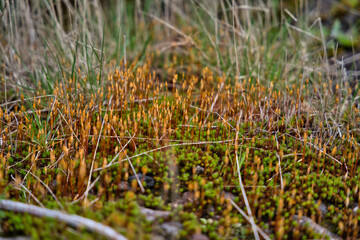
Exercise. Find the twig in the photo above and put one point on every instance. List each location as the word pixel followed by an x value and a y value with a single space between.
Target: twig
pixel 73 220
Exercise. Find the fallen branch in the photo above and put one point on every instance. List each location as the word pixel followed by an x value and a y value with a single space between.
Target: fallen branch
pixel 73 220
pixel 308 222
pixel 151 214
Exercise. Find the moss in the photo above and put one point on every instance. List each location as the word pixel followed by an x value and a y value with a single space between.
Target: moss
pixel 171 120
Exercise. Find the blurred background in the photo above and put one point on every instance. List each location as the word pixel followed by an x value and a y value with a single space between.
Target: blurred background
pixel 42 41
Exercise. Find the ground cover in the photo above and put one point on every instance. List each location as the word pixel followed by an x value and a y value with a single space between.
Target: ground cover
pixel 233 128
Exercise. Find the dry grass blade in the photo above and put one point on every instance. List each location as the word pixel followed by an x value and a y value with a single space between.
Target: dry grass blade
pixel 317 148
pixel 134 171
pixel 281 177
pixel 122 149
pixel 186 37
pixel 87 191
pixel 308 143
pixel 214 101
pixel 32 165
pixel 252 221
pixel 263 234
pixel 303 31
pixel 251 8
pixel 27 190
pixel 164 147
pixel 93 160
pixel 26 99
pixel 47 187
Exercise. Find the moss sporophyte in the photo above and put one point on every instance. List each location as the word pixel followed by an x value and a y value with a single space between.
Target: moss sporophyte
pixel 223 137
